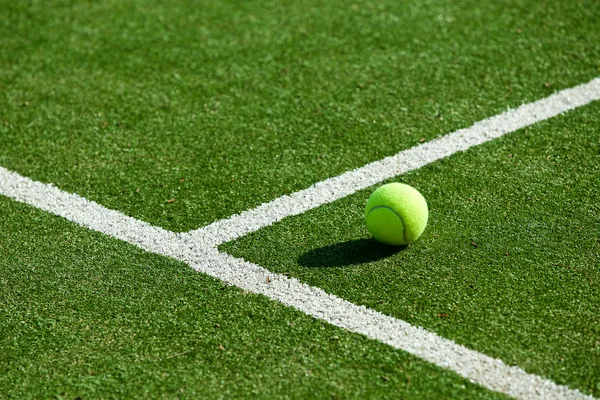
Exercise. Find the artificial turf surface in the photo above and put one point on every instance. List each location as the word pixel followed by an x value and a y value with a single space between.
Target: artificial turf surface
pixel 222 105
pixel 509 264
pixel 86 316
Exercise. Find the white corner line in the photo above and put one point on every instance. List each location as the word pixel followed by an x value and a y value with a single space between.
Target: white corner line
pixel 479 368
pixel 203 256
pixel 413 158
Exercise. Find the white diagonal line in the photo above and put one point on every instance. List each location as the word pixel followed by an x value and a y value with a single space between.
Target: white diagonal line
pixel 352 181
pixel 479 368
pixel 204 257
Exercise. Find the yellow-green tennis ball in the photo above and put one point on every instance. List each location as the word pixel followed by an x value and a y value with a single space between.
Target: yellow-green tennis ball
pixel 396 214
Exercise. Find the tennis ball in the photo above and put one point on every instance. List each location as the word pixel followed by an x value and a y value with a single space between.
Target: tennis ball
pixel 396 214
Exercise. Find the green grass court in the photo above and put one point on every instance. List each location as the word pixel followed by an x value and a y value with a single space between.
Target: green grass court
pixel 183 113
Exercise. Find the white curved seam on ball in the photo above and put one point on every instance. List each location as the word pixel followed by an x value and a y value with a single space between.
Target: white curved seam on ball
pixel 396 214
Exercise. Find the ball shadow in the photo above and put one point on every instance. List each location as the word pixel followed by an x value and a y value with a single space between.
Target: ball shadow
pixel 352 252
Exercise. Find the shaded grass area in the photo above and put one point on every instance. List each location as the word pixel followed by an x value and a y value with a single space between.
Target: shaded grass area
pixel 224 105
pixel 509 264
pixel 86 316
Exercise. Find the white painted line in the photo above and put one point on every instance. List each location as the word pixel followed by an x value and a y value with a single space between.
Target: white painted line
pixel 484 370
pixel 82 211
pixel 204 257
pixel 350 182
pixel 478 368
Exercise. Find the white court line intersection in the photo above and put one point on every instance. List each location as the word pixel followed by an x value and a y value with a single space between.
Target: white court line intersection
pixel 199 248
